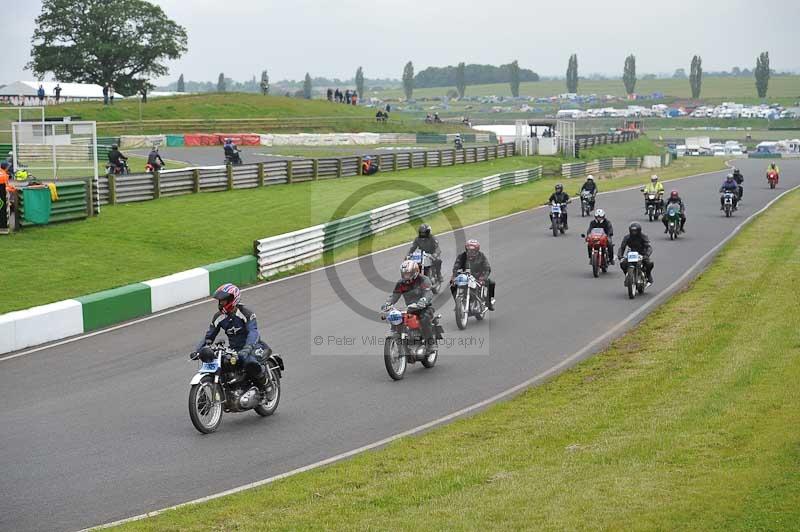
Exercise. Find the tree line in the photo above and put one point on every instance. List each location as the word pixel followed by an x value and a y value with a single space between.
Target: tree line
pixel 145 38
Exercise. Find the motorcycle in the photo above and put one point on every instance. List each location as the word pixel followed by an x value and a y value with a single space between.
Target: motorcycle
pixel 221 385
pixel 425 261
pixel 112 169
pixel 635 279
pixel 470 298
pixel 727 203
pixel 557 211
pixel 652 205
pixel 772 179
pixel 673 217
pixel 587 203
pixel 404 344
pixel 150 169
pixel 597 241
pixel 458 143
pixel 235 159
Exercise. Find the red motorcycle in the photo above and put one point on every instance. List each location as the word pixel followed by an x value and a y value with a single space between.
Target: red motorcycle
pixel 597 241
pixel 772 179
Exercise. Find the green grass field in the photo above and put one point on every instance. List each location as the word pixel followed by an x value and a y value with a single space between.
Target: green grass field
pixel 134 242
pixel 740 89
pixel 685 423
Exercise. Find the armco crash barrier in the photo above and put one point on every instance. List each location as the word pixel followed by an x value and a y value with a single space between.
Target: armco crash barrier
pixel 56 321
pixel 284 252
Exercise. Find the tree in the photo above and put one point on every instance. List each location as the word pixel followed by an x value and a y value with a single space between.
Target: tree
pixel 307 87
pixel 762 74
pixel 181 84
pixel 408 79
pixel 221 83
pixel 696 76
pixel 629 75
pixel 513 78
pixel 461 79
pixel 360 82
pixel 473 75
pixel 572 74
pixel 680 73
pixel 736 71
pixel 264 83
pixel 123 42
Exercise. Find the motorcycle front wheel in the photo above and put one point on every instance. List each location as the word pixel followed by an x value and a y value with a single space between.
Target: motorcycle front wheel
pixel 596 264
pixel 394 359
pixel 462 313
pixel 555 227
pixel 205 405
pixel 630 282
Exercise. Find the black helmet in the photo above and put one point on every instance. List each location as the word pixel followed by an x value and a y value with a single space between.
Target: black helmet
pixel 424 231
pixel 635 229
pixel 114 147
pixel 559 188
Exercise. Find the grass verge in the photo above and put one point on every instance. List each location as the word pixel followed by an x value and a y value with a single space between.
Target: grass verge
pixel 133 242
pixel 687 422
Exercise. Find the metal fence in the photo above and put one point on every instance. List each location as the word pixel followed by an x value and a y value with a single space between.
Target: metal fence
pixel 284 252
pixel 589 141
pixel 144 187
pixel 570 170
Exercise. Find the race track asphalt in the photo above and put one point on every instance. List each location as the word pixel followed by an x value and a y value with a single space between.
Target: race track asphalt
pixel 97 429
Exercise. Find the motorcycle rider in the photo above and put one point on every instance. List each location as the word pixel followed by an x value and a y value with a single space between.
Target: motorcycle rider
pixel 476 262
pixel 458 142
pixel 739 178
pixel 231 152
pixel 415 288
pixel 241 327
pixel 774 168
pixel 674 198
pixel 427 243
pixel 601 222
pixel 729 185
pixel 154 159
pixel 116 159
pixel 590 186
pixel 637 241
pixel 654 187
pixel 562 198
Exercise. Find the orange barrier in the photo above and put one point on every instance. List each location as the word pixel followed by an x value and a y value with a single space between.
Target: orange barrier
pixel 240 139
pixel 200 139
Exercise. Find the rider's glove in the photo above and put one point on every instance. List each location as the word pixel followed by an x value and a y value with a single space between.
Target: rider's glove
pixel 385 307
pixel 194 355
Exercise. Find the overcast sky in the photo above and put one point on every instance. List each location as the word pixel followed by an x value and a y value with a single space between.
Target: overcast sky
pixel 291 37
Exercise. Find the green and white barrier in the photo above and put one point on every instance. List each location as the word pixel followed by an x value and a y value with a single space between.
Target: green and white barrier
pixel 284 252
pixel 56 321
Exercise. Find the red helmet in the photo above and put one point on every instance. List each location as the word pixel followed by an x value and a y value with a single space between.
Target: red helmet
pixel 228 296
pixel 673 194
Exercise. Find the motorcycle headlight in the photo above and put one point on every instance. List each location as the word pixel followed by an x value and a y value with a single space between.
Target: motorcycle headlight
pixel 462 280
pixel 207 354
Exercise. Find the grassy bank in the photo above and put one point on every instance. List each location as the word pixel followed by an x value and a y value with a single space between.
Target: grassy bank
pixel 686 423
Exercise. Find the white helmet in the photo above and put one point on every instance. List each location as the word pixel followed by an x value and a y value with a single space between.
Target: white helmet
pixel 654 178
pixel 599 213
pixel 590 177
pixel 409 270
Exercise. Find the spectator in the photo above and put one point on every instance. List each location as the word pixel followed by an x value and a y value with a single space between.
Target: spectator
pixel 388 108
pixel 346 96
pixel 330 95
pixel 143 92
pixel 111 94
pixel 105 94
pixel 368 166
pixel 436 118
pixel 354 97
pixel 428 119
pixel 40 94
pixel 57 92
pixel 336 95
pixel 380 116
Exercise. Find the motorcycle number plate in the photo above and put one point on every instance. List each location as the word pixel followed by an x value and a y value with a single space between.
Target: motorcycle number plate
pixel 209 367
pixel 633 257
pixel 555 208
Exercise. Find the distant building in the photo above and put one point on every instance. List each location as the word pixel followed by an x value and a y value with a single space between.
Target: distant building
pixel 24 92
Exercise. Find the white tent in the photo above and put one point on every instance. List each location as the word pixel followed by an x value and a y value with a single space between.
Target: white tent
pixel 69 91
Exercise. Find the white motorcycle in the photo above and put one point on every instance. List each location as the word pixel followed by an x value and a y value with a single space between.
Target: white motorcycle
pixel 470 298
